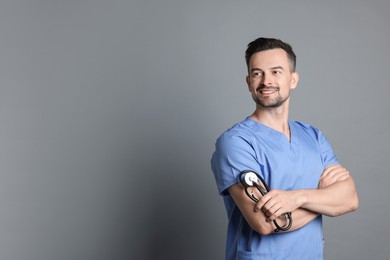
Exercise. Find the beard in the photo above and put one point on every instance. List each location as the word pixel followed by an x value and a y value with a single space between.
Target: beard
pixel 272 101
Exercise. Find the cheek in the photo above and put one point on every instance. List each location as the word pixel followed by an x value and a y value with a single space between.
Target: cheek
pixel 255 82
pixel 251 85
pixel 287 84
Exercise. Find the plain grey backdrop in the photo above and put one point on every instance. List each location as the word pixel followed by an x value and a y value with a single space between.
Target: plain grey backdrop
pixel 109 111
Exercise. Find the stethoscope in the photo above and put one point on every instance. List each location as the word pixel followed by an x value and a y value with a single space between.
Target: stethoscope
pixel 249 178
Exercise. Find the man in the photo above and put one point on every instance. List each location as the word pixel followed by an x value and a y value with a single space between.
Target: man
pixel 294 159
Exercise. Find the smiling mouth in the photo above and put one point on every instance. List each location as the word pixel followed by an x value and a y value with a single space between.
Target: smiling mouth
pixel 267 91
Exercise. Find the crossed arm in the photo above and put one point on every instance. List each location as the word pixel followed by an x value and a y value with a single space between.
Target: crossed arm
pixel 336 195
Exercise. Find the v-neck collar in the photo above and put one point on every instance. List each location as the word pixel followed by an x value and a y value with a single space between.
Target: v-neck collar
pixel 276 135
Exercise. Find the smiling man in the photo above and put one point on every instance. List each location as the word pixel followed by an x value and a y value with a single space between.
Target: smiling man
pixel 294 158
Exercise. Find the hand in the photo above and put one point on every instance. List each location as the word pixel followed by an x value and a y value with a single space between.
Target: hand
pixel 332 174
pixel 277 202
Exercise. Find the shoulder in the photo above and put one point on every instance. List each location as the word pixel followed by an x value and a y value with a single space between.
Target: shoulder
pixel 310 131
pixel 303 125
pixel 306 127
pixel 242 131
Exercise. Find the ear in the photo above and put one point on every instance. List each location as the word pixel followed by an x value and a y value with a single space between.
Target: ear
pixel 294 80
pixel 247 79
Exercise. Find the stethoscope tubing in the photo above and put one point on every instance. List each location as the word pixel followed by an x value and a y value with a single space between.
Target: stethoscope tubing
pixel 263 191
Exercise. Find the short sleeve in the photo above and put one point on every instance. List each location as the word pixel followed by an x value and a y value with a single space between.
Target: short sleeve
pixel 233 154
pixel 327 154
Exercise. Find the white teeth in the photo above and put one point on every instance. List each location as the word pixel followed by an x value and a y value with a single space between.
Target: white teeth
pixel 269 91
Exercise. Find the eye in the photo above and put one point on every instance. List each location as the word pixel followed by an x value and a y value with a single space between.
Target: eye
pixel 277 72
pixel 257 74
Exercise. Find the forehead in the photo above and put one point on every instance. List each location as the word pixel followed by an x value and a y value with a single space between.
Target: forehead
pixel 268 59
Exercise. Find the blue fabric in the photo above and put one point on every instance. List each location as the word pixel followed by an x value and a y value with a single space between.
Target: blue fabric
pixel 284 165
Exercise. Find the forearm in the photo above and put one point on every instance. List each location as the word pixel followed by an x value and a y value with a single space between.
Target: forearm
pixel 258 220
pixel 334 200
pixel 302 217
pixel 305 205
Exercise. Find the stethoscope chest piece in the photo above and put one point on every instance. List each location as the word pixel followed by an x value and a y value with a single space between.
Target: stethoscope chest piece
pixel 248 178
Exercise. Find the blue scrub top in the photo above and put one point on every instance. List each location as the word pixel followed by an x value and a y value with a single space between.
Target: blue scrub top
pixel 284 165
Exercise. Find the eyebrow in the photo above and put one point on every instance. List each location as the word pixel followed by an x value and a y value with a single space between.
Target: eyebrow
pixel 256 69
pixel 277 68
pixel 272 68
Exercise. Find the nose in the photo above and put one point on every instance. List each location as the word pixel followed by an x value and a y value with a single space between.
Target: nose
pixel 267 79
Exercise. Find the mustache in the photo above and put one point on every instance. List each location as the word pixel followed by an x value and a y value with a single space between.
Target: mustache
pixel 263 87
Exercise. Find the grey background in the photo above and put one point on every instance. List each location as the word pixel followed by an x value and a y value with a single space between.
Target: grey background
pixel 109 111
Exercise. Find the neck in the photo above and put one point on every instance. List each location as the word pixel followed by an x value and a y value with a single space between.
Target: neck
pixel 276 118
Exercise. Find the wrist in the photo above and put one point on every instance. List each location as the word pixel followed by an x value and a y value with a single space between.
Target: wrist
pixel 301 198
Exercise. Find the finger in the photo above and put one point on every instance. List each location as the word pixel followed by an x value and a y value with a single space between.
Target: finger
pixel 330 169
pixel 337 174
pixel 270 208
pixel 263 200
pixel 270 200
pixel 343 178
pixel 278 212
pixel 281 219
pixel 272 211
pixel 334 175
